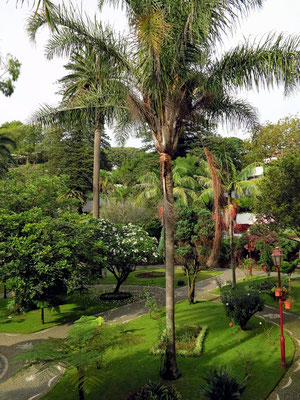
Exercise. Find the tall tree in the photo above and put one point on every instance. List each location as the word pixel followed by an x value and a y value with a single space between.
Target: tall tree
pixel 89 72
pixel 273 141
pixel 278 200
pixel 172 76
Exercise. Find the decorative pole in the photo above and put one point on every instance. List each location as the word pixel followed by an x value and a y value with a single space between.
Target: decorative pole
pixel 277 257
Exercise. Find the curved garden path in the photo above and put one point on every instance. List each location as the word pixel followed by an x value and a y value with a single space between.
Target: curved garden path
pixel 31 385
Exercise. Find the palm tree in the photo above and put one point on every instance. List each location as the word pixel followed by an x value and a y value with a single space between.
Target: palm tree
pixel 237 182
pixel 173 76
pixel 184 186
pixel 89 73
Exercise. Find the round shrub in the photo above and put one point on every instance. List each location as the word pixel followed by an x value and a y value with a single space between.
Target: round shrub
pixel 180 283
pixel 155 391
pixel 219 385
pixel 115 296
pixel 240 305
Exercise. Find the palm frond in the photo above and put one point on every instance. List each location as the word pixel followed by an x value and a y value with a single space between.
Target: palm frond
pixel 273 61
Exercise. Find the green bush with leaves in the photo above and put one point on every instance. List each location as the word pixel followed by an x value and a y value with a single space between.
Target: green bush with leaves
pixel 241 305
pixel 156 391
pixel 219 385
pixel 43 257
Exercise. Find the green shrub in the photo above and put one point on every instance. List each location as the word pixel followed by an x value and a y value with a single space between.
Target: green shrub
pixel 155 391
pixel 219 385
pixel 240 305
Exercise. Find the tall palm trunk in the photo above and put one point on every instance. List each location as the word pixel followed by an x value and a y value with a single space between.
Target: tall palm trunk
pixel 231 242
pixel 96 170
pixel 170 370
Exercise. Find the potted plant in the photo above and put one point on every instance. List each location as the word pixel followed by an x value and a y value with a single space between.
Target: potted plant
pixel 279 291
pixel 289 303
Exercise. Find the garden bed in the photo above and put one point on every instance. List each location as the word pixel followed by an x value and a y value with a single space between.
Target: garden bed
pixel 109 296
pixel 189 341
pixel 150 274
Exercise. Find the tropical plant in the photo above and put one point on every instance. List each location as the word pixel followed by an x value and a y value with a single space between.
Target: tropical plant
pixel 238 183
pixel 220 385
pixel 83 349
pixel 172 76
pixel 89 71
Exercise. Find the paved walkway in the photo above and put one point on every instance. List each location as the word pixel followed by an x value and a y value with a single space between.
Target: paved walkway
pixel 32 385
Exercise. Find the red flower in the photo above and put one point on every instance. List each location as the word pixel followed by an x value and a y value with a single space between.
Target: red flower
pixel 230 324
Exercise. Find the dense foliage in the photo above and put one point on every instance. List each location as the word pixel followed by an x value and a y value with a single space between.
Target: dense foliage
pixel 280 192
pixel 30 186
pixel 193 242
pixel 241 305
pixel 43 257
pixel 273 141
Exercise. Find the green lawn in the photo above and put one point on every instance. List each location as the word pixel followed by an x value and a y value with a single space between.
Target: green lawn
pixel 76 305
pixel 179 276
pixel 126 369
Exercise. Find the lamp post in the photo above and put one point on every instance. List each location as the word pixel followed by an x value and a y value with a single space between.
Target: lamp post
pixel 277 257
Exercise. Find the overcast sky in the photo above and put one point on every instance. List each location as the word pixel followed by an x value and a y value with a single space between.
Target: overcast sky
pixel 37 82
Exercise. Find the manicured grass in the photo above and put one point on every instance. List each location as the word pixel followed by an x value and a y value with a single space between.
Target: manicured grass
pixel 161 281
pixel 76 305
pixel 125 369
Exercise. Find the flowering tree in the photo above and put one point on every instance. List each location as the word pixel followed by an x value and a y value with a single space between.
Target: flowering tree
pixel 126 247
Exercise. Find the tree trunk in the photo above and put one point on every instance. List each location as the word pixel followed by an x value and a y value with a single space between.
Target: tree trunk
pixel 170 370
pixel 231 243
pixel 191 290
pixel 218 195
pixel 96 170
pixel 4 291
pixel 80 383
pixel 42 315
pixel 119 283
